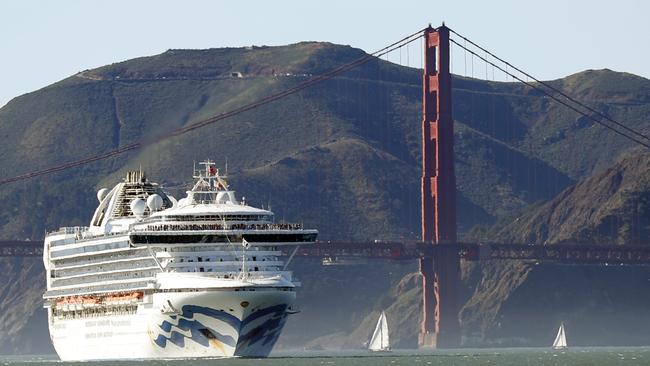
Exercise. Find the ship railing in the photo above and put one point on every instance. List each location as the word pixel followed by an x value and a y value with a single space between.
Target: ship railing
pixel 229 249
pixel 87 236
pixel 64 273
pixel 225 264
pixel 89 249
pixel 104 258
pixel 268 274
pixel 115 287
pixel 211 218
pixel 80 236
pixel 69 230
pixel 102 277
pixel 233 275
pixel 211 227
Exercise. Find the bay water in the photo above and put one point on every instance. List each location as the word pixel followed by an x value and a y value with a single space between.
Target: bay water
pixel 593 356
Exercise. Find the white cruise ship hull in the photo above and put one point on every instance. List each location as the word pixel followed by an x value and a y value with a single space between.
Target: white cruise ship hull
pixel 214 323
pixel 156 278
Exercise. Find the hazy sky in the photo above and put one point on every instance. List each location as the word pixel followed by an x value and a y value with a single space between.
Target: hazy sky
pixel 45 41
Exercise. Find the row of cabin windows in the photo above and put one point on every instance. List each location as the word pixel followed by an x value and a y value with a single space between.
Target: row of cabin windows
pixel 207 259
pixel 213 218
pixel 95 312
pixel 194 238
pixel 204 269
pixel 210 248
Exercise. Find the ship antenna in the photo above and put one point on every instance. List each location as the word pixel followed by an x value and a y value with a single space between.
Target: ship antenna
pixel 226 166
pixel 245 245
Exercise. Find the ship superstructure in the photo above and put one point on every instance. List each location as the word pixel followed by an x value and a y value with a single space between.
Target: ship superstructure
pixel 152 277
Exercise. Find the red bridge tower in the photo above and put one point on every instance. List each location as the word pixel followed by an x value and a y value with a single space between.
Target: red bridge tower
pixel 440 273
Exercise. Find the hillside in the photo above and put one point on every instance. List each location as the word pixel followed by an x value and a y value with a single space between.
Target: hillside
pixel 374 109
pixel 342 156
pixel 611 207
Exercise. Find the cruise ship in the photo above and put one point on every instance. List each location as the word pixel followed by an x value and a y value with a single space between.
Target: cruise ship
pixel 152 277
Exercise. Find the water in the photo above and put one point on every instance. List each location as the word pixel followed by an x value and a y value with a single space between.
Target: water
pixel 502 357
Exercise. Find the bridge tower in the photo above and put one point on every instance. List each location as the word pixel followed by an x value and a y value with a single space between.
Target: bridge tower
pixel 440 273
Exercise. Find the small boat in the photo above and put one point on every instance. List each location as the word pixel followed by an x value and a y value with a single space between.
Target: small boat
pixel 380 341
pixel 560 339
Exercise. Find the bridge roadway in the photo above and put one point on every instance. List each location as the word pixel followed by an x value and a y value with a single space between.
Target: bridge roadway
pixel 607 254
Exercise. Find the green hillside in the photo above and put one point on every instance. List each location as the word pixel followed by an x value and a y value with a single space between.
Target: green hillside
pixel 612 207
pixel 358 131
pixel 343 157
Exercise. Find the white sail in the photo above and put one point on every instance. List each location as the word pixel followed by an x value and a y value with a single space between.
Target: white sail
pixel 560 339
pixel 380 340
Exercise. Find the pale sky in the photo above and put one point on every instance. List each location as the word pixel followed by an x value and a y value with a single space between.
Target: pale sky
pixel 46 41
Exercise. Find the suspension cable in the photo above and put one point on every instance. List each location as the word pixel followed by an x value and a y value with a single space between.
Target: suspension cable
pixel 258 103
pixel 533 86
pixel 551 87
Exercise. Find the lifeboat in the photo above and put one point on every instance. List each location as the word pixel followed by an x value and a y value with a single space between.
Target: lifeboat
pixel 90 301
pixel 77 302
pixel 123 299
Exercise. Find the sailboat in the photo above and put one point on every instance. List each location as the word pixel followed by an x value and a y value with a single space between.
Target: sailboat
pixel 560 339
pixel 380 341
